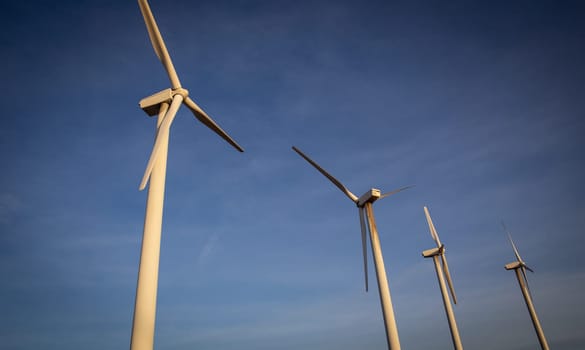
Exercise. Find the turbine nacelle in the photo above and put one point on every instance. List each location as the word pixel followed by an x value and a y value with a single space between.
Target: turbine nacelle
pixel 429 253
pixel 513 265
pixel 151 104
pixel 518 265
pixel 369 197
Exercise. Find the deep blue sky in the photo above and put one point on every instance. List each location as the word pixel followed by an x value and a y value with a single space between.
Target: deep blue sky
pixel 480 104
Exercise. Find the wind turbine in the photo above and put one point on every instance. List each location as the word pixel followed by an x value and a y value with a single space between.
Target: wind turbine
pixel 442 269
pixel 520 267
pixel 165 104
pixel 364 203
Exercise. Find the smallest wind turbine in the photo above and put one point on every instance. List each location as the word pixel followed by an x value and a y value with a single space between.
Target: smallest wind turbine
pixel 520 267
pixel 442 269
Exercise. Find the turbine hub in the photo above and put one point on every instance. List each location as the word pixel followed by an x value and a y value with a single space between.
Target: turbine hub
pixel 181 91
pixel 151 104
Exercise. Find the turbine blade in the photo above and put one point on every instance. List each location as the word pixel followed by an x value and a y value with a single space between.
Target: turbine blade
pixel 364 247
pixel 512 242
pixel 163 130
pixel 515 249
pixel 207 121
pixel 151 27
pixel 528 268
pixel 448 276
pixel 158 43
pixel 432 228
pixel 395 191
pixel 336 182
pixel 371 220
pixel 525 280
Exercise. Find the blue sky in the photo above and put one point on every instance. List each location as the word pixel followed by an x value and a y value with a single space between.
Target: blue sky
pixel 480 104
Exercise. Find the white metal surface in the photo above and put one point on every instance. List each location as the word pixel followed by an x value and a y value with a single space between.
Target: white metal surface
pixel 447 304
pixel 383 288
pixel 145 305
pixel 530 305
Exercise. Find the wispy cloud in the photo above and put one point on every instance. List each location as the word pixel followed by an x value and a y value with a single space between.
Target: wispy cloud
pixel 210 246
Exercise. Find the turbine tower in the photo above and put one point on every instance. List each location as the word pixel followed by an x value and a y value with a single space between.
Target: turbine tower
pixel 520 267
pixel 442 269
pixel 364 203
pixel 165 104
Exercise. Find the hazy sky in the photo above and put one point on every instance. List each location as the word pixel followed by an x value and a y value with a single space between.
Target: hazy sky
pixel 481 105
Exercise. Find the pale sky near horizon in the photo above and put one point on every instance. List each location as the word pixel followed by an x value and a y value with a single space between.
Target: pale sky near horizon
pixel 479 104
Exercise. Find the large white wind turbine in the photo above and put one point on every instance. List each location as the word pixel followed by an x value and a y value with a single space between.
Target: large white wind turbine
pixel 520 267
pixel 165 104
pixel 442 269
pixel 364 203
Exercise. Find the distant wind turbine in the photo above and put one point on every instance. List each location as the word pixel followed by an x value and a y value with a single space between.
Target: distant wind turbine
pixel 364 203
pixel 442 269
pixel 165 104
pixel 520 267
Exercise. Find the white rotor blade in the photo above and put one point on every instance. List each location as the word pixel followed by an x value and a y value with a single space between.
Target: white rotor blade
pixel 336 182
pixel 515 249
pixel 448 276
pixel 525 280
pixel 395 191
pixel 207 121
pixel 432 228
pixel 364 245
pixel 158 43
pixel 151 27
pixel 162 130
pixel 512 242
pixel 370 219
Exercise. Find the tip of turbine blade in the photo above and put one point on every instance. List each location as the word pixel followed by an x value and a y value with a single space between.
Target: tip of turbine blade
pixel 364 243
pixel 144 181
pixel 142 185
pixel 448 277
